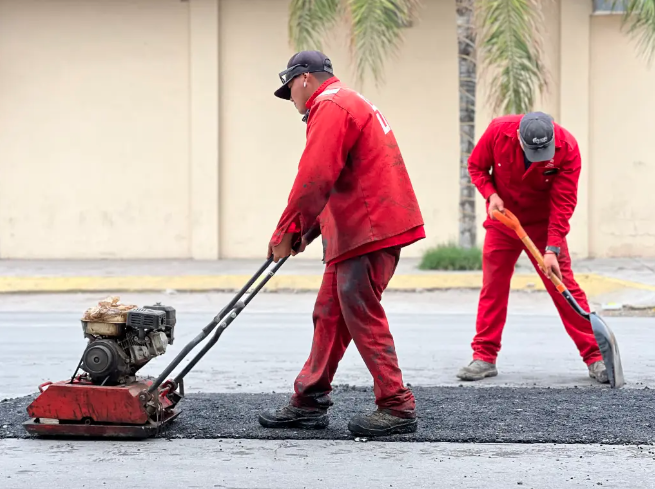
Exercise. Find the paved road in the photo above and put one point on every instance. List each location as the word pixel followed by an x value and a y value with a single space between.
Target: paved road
pixel 255 363
pixel 264 348
pixel 326 464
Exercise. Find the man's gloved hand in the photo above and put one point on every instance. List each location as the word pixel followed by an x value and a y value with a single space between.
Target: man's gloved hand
pixel 552 265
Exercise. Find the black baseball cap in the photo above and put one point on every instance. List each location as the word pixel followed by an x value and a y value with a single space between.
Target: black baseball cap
pixel 302 62
pixel 538 136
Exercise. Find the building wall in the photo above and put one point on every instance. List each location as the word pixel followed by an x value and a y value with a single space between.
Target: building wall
pixel 94 129
pixel 262 137
pixel 549 101
pixel 622 221
pixel 600 91
pixel 149 129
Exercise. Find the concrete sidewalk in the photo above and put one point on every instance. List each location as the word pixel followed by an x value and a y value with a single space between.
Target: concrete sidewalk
pixel 616 279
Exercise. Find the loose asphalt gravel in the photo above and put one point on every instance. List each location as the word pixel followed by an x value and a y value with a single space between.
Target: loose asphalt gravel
pixel 447 414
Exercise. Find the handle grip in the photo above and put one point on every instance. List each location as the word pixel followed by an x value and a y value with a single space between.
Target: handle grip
pixel 512 222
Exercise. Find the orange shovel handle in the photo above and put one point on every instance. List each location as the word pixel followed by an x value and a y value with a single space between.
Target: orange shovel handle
pixel 512 222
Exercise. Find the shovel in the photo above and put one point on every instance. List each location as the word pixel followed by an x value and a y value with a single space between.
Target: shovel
pixel 607 344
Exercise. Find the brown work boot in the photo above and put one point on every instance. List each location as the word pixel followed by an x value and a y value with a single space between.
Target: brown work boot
pixel 295 417
pixel 381 423
pixel 477 370
pixel 598 371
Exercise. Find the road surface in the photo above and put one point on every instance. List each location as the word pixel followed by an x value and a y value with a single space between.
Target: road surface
pixel 541 403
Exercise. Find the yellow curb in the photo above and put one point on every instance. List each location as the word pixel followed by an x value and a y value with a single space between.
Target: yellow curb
pixel 592 284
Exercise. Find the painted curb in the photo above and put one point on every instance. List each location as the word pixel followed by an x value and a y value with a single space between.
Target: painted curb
pixel 592 284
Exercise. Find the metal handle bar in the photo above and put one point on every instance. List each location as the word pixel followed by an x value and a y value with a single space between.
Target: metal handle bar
pixel 236 305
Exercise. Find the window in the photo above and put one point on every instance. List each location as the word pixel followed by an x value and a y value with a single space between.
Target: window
pixel 609 7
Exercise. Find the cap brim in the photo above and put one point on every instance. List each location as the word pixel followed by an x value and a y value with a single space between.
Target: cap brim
pixel 284 92
pixel 541 154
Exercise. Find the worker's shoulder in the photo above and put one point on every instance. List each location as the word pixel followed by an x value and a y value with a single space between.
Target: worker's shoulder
pixel 503 126
pixel 505 122
pixel 348 99
pixel 332 96
pixel 329 94
pixel 565 137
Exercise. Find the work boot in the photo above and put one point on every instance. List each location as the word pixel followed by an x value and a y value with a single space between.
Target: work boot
pixel 598 371
pixel 477 370
pixel 381 423
pixel 295 417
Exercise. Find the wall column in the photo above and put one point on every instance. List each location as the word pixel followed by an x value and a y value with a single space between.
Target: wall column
pixel 203 127
pixel 575 18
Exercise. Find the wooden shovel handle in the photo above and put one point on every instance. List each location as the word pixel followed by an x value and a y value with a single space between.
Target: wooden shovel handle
pixel 512 222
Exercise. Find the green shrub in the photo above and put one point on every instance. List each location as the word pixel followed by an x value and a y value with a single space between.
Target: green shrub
pixel 451 257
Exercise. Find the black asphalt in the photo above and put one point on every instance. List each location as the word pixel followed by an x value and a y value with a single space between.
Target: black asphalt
pixel 446 414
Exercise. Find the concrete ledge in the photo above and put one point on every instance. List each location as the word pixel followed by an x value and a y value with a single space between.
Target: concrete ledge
pixel 593 284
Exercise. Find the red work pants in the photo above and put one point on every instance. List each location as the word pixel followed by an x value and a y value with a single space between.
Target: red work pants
pixel 348 308
pixel 499 256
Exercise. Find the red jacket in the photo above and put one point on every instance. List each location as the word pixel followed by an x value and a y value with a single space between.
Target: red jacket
pixel 351 180
pixel 544 194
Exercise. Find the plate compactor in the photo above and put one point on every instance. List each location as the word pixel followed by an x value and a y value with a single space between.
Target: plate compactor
pixel 108 399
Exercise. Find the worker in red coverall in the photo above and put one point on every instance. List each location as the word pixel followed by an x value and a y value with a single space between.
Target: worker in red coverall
pixel 535 167
pixel 352 188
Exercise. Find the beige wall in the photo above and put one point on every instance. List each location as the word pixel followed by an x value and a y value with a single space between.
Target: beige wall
pixel 548 101
pixel 94 129
pixel 566 33
pixel 148 129
pixel 622 104
pixel 262 137
pixel 575 17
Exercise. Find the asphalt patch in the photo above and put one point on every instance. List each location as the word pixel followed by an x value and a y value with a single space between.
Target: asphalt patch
pixel 446 414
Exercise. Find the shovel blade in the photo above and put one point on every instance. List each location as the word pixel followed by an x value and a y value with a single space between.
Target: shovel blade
pixel 609 349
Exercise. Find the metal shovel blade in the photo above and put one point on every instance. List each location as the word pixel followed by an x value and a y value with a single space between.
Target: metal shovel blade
pixel 609 348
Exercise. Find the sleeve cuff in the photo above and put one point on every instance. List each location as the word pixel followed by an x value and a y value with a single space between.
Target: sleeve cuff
pixel 555 241
pixel 488 190
pixel 292 228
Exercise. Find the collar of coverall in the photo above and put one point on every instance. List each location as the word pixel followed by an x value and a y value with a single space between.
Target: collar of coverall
pixel 512 134
pixel 320 90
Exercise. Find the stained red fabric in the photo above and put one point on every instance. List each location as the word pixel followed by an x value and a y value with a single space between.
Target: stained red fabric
pixel 348 308
pixel 402 240
pixel 351 176
pixel 546 193
pixel 499 256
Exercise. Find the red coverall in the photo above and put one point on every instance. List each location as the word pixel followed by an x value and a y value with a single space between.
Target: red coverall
pixel 352 184
pixel 543 198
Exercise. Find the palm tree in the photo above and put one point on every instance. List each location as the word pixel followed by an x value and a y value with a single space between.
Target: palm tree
pixel 502 37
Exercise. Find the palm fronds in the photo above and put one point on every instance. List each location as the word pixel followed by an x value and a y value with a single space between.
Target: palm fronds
pixel 375 28
pixel 310 20
pixel 510 45
pixel 376 31
pixel 639 17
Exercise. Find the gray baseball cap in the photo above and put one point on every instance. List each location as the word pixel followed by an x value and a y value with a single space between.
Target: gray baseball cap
pixel 538 136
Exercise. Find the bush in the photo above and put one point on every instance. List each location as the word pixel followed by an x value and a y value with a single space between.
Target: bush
pixel 451 257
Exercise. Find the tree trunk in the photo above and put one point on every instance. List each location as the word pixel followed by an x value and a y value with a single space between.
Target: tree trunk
pixel 467 83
